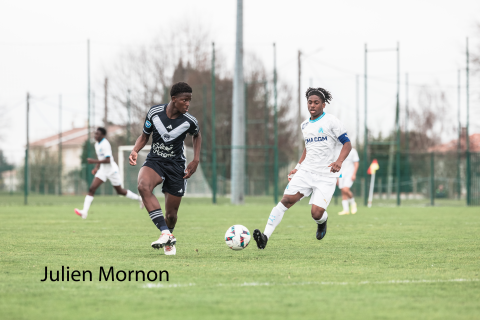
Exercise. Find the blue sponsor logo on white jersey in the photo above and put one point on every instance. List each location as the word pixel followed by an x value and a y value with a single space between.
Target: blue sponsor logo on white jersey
pixel 320 130
pixel 316 139
pixel 148 124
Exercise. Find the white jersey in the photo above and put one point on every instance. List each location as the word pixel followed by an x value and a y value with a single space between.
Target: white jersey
pixel 104 150
pixel 348 166
pixel 321 136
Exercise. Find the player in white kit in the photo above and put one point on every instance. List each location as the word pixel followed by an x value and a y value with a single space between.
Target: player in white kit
pixel 105 168
pixel 345 182
pixel 317 171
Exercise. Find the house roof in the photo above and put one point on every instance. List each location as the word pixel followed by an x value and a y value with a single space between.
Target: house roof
pixel 72 138
pixel 452 145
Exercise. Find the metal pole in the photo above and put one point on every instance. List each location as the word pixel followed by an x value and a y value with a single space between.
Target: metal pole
pixel 398 124
pixel 267 151
pixel 365 134
pixel 357 143
pixel 26 173
pixel 88 123
pixel 468 176
pixel 459 146
pixel 432 179
pixel 407 116
pixel 238 125
pixel 60 156
pixel 275 120
pixel 204 123
pixel 214 146
pixel 128 116
pixel 245 154
pixel 105 116
pixel 299 120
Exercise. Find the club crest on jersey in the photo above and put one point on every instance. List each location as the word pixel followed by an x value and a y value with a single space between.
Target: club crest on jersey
pixel 148 124
pixel 320 130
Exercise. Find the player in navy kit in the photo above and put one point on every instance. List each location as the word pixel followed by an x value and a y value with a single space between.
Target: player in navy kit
pixel 166 161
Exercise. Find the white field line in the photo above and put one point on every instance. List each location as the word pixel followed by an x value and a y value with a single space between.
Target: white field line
pixel 271 284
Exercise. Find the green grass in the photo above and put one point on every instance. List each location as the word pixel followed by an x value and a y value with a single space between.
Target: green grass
pixel 348 275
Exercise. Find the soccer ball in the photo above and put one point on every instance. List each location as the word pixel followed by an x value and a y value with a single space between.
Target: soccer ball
pixel 237 237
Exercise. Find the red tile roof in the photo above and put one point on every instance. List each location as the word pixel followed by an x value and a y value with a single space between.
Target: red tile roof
pixel 452 145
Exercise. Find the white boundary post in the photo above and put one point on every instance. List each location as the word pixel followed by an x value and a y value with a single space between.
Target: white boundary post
pixel 370 193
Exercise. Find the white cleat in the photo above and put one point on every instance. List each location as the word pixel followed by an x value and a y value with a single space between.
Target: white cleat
pixel 353 207
pixel 170 250
pixel 81 213
pixel 142 205
pixel 165 239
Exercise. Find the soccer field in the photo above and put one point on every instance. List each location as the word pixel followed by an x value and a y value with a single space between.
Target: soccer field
pixel 393 263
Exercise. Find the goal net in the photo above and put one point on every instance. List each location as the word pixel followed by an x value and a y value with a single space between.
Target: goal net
pixel 197 184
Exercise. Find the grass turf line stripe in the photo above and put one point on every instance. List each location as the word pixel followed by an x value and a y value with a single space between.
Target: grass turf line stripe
pixel 269 284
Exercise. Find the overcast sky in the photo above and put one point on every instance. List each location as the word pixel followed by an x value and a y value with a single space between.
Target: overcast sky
pixel 43 51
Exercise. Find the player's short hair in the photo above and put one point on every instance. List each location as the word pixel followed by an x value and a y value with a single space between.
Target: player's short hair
pixel 325 95
pixel 180 87
pixel 102 130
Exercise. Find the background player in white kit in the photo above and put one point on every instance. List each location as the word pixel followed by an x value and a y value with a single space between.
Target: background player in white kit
pixel 345 182
pixel 105 168
pixel 317 171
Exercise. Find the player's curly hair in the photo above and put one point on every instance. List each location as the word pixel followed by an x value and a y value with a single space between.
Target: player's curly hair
pixel 102 130
pixel 325 95
pixel 180 87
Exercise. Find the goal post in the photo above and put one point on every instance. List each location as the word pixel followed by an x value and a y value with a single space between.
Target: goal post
pixel 197 185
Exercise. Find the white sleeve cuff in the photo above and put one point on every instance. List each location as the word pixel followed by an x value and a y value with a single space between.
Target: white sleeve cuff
pixel 298 166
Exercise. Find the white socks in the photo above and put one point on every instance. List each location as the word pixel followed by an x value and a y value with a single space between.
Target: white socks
pixel 345 205
pixel 87 203
pixel 322 219
pixel 274 219
pixel 131 195
pixel 351 200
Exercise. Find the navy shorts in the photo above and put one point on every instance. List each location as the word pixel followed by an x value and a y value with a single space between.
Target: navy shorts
pixel 172 175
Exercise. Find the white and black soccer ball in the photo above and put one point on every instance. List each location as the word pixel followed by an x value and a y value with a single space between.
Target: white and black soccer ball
pixel 237 237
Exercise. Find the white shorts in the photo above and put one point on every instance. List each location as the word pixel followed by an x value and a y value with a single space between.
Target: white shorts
pixel 320 187
pixel 113 176
pixel 345 182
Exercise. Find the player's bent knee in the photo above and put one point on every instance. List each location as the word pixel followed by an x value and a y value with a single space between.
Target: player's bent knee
pixel 144 189
pixel 317 212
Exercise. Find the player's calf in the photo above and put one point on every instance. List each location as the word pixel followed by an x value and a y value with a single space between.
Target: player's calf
pixel 320 216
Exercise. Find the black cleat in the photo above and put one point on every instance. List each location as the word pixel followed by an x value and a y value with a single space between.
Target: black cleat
pixel 322 230
pixel 260 238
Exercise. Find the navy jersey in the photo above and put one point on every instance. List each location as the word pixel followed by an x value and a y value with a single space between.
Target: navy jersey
pixel 168 134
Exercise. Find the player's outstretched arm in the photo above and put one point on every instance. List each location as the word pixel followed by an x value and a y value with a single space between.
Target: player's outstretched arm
pixel 337 165
pixel 192 166
pixel 139 144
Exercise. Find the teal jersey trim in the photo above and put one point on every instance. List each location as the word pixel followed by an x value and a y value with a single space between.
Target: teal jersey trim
pixel 312 121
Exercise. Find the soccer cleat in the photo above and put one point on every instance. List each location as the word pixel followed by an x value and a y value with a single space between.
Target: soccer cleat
pixel 165 239
pixel 142 205
pixel 353 208
pixel 260 238
pixel 81 213
pixel 170 250
pixel 322 230
pixel 342 213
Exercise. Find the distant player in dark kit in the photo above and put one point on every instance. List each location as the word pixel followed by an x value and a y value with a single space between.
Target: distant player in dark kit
pixel 166 161
pixel 105 168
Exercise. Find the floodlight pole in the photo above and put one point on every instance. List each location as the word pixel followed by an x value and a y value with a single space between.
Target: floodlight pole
pixel 398 124
pixel 88 123
pixel 238 124
pixel 214 146
pixel 468 131
pixel 26 173
pixel 299 120
pixel 128 116
pixel 365 134
pixel 275 125
pixel 459 145
pixel 60 156
pixel 357 143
